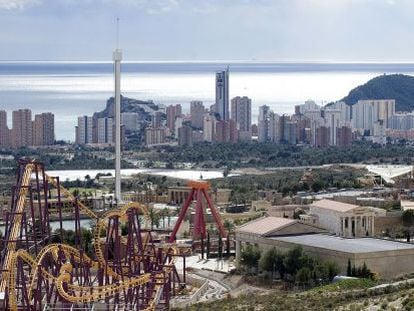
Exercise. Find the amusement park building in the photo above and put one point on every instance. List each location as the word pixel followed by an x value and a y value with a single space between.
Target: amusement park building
pixel 388 259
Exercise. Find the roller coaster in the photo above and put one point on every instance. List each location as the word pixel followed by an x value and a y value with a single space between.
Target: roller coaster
pixel 129 269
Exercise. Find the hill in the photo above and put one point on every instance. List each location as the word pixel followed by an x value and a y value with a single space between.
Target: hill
pixel 396 86
pixel 144 108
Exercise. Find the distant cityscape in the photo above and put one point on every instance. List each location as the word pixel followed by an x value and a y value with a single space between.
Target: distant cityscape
pixel 226 121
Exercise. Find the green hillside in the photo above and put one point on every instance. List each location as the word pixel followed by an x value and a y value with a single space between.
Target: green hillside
pixel 396 86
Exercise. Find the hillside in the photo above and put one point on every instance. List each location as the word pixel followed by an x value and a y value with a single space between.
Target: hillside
pixel 144 108
pixel 396 86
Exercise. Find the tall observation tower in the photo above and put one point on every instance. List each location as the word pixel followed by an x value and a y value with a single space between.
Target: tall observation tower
pixel 117 57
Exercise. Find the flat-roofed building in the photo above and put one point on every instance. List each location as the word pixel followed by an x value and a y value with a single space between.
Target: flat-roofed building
pixel 389 259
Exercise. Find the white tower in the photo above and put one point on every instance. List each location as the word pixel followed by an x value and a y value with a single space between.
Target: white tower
pixel 117 57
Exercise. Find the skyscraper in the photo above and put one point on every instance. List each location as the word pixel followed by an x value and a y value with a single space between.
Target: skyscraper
pixel 263 123
pixel 154 136
pixel 222 94
pixel 197 112
pixel 241 112
pixel 209 126
pixel 185 136
pixel 4 130
pixel 85 130
pixel 173 111
pixel 105 131
pixel 22 132
pixel 44 129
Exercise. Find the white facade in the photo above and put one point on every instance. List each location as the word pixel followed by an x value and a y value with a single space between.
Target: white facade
pixel 342 219
pixel 209 124
pixel 84 130
pixel 105 131
pixel 263 123
pixel 366 112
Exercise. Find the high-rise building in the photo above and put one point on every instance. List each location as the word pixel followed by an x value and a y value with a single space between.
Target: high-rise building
pixel 85 130
pixel 22 131
pixel 274 127
pixel 222 94
pixel 154 136
pixel 367 112
pixel 4 130
pixel 241 112
pixel 263 123
pixel 44 129
pixel 209 126
pixel 344 136
pixel 173 111
pixel 130 121
pixel 185 136
pixel 156 120
pixel 106 131
pixel 333 122
pixel 197 112
pixel 322 137
pixel 290 131
pixel 302 123
pixel 226 131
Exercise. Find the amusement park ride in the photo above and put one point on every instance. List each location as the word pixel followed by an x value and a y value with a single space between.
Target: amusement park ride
pixel 129 270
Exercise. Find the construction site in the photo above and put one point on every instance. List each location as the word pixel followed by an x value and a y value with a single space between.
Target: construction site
pixel 131 267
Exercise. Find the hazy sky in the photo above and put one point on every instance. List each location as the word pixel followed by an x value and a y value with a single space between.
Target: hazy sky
pixel 278 30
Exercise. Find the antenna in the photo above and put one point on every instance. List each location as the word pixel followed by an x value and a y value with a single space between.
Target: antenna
pixel 117 33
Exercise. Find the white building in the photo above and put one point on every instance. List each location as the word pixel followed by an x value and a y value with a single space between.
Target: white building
pixel 263 123
pixel 209 124
pixel 366 112
pixel 346 220
pixel 105 131
pixel 84 130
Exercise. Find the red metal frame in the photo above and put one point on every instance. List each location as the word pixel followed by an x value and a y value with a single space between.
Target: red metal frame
pixel 198 193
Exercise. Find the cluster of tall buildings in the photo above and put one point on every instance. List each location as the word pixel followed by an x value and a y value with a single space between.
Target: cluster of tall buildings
pixel 337 124
pixel 224 121
pixel 26 132
pixel 94 130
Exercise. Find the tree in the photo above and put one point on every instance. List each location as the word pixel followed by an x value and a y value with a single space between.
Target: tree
pixel 250 256
pixel 303 276
pixel 292 260
pixel 272 261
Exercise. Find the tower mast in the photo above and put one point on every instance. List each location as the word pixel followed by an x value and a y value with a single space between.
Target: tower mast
pixel 117 57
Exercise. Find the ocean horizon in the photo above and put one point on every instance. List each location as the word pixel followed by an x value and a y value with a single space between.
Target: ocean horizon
pixel 73 88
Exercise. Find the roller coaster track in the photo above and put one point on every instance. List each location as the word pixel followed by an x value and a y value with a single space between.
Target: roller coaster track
pixel 81 293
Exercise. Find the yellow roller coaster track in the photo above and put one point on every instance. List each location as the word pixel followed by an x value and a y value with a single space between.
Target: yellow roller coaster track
pixel 78 293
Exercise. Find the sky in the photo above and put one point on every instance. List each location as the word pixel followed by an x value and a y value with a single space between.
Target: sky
pixel 196 30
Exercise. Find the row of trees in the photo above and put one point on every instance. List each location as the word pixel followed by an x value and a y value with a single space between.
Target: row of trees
pixel 292 266
pixel 248 154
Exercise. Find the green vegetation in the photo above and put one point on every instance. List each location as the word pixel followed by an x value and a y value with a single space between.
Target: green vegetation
pixel 292 266
pixel 288 182
pixel 255 154
pixel 396 86
pixel 345 285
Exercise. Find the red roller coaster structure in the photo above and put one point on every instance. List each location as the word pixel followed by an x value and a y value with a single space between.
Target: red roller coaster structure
pixel 127 271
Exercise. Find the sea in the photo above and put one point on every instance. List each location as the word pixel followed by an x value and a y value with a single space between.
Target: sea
pixel 72 89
